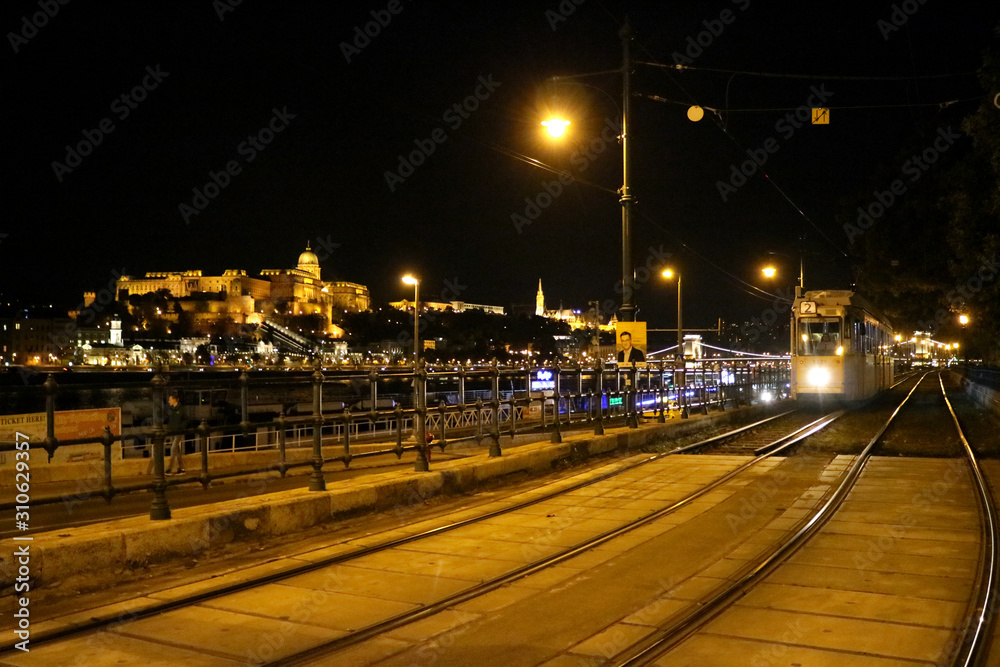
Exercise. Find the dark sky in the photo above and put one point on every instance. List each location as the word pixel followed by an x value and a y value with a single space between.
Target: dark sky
pixel 342 125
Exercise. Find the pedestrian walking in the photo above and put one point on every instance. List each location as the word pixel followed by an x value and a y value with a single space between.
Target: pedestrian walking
pixel 175 424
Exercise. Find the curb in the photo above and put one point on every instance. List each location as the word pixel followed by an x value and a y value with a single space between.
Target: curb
pixel 90 554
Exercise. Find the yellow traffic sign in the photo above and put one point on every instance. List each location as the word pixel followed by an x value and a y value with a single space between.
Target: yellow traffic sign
pixel 821 116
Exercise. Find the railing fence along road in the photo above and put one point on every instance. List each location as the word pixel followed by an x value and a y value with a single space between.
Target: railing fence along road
pixel 397 407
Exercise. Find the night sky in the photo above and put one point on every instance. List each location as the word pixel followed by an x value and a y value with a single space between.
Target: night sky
pixel 308 118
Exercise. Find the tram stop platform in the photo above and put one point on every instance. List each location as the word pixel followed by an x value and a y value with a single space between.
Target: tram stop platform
pixel 98 555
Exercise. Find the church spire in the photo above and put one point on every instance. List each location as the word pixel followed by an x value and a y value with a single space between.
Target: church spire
pixel 540 301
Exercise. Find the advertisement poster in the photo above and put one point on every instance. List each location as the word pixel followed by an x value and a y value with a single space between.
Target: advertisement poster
pixel 630 343
pixel 70 425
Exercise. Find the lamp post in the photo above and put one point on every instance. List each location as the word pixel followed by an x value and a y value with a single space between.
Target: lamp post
pixel 410 280
pixel 770 271
pixel 963 319
pixel 419 377
pixel 557 127
pixel 670 273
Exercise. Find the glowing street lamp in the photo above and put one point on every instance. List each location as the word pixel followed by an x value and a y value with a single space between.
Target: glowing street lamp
pixel 410 280
pixel 963 319
pixel 556 127
pixel 419 424
pixel 668 274
pixel 769 271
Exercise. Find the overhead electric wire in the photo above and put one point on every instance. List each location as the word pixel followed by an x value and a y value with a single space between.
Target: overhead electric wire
pixel 947 103
pixel 827 77
pixel 769 180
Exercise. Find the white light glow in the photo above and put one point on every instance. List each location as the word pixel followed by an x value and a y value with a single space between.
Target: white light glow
pixel 819 377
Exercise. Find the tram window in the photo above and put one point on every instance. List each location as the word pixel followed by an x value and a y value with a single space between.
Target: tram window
pixel 819 336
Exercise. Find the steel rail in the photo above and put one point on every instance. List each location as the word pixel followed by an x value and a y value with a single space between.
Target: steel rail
pixel 971 648
pixel 408 617
pixel 666 637
pixel 96 623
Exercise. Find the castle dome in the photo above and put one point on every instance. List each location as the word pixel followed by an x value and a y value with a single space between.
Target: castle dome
pixel 308 258
pixel 308 261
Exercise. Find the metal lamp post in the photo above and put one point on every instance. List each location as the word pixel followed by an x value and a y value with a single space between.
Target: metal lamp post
pixel 963 320
pixel 669 273
pixel 557 127
pixel 419 377
pixel 410 280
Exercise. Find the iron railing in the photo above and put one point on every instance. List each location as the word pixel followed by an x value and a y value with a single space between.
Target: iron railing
pixel 399 409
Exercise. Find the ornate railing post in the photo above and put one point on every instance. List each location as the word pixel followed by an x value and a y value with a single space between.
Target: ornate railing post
pixel 106 439
pixel 399 431
pixel 556 426
pixel 245 404
pixel 50 416
pixel 443 412
pixel 159 510
pixel 680 379
pixel 660 396
pixel 461 390
pixel 495 401
pixel 316 479
pixel 599 371
pixel 632 399
pixel 420 416
pixel 347 437
pixel 202 437
pixel 282 442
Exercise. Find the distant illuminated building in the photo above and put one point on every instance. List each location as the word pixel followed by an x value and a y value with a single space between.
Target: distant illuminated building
pixel 444 306
pixel 277 295
pixel 574 318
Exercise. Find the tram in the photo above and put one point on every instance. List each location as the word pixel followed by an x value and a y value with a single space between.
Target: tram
pixel 840 347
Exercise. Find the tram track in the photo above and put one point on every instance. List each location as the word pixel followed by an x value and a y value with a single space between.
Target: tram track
pixel 967 647
pixel 118 625
pixel 678 628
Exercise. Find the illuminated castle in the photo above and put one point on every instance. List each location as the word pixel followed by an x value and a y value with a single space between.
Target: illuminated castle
pixel 277 295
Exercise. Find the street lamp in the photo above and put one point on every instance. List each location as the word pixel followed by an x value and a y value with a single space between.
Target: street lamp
pixel 557 126
pixel 668 274
pixel 419 378
pixel 410 280
pixel 963 319
pixel 770 271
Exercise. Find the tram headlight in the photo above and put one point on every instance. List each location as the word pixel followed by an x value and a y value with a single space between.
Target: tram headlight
pixel 819 377
pixel 840 350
